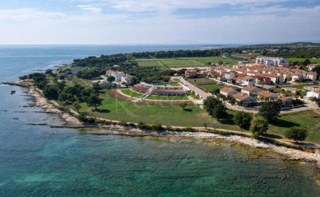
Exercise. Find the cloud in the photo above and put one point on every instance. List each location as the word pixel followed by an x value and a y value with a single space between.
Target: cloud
pixel 90 8
pixel 26 14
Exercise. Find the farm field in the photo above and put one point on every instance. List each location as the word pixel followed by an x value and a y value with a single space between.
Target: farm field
pixel 205 84
pixel 168 63
pixel 317 61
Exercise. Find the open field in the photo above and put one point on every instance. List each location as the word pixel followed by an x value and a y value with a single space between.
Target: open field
pixel 116 109
pixel 167 63
pixel 205 84
pixel 151 63
pixel 168 98
pixel 302 59
pixel 206 60
pixel 131 93
pixel 307 119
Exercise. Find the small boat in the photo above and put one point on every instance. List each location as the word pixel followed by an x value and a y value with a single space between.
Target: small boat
pixel 13 91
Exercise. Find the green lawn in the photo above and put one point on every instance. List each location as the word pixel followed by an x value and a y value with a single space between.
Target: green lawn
pixel 307 119
pixel 131 93
pixel 172 63
pixel 174 84
pixel 115 109
pixel 173 98
pixel 151 63
pixel 206 60
pixel 205 84
pixel 167 63
pixel 317 61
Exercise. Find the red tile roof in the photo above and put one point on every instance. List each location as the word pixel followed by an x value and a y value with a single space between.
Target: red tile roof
pixel 227 90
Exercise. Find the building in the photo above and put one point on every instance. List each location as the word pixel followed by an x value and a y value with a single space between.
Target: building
pixel 159 90
pixel 267 95
pixel 313 94
pixel 248 81
pixel 250 90
pixel 286 101
pixel 272 61
pixel 229 75
pixel 126 79
pixel 244 98
pixel 228 91
pixel 312 66
pixel 116 74
pixel 190 73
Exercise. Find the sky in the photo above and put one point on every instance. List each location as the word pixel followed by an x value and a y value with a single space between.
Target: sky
pixel 158 21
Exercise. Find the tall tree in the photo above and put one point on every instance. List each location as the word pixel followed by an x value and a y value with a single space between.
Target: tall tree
pixel 270 111
pixel 94 101
pixel 259 127
pixel 215 108
pixel 111 79
pixel 96 87
pixel 297 134
pixel 51 91
pixel 243 120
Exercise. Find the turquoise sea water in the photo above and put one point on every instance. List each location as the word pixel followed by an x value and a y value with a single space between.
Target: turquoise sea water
pixel 41 161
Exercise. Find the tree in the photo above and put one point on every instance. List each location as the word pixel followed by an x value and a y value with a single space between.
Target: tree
pixel 77 106
pixel 270 111
pixel 94 101
pixel 215 108
pixel 51 91
pixel 296 134
pixel 48 72
pixel 259 127
pixel 183 105
pixel 134 80
pixel 96 87
pixel 220 111
pixel 64 96
pixel 111 79
pixel 317 70
pixel 243 120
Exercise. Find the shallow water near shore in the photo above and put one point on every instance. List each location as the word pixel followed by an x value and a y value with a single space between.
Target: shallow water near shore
pixel 42 161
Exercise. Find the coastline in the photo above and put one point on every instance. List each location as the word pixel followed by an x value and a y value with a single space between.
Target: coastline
pixel 72 122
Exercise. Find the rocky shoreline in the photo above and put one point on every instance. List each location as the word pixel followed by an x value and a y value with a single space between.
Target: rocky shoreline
pixel 114 129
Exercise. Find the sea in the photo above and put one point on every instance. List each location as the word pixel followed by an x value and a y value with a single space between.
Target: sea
pixel 42 161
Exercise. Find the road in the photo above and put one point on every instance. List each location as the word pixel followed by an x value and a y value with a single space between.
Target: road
pixel 196 90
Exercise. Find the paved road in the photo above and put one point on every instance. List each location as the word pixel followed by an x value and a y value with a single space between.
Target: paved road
pixel 198 91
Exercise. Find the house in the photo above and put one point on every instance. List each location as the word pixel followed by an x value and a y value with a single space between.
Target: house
pixel 250 90
pixel 116 74
pixel 313 94
pixel 261 80
pixel 248 81
pixel 286 101
pixel 311 75
pixel 126 79
pixel 228 91
pixel 229 75
pixel 312 66
pixel 244 98
pixel 191 73
pixel 267 95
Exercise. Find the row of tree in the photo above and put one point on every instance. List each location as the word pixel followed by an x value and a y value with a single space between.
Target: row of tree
pixel 268 114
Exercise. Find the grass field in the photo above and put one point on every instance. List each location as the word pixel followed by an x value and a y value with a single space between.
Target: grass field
pixel 317 61
pixel 151 63
pixel 167 63
pixel 307 119
pixel 131 93
pixel 206 60
pixel 172 98
pixel 205 84
pixel 115 109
